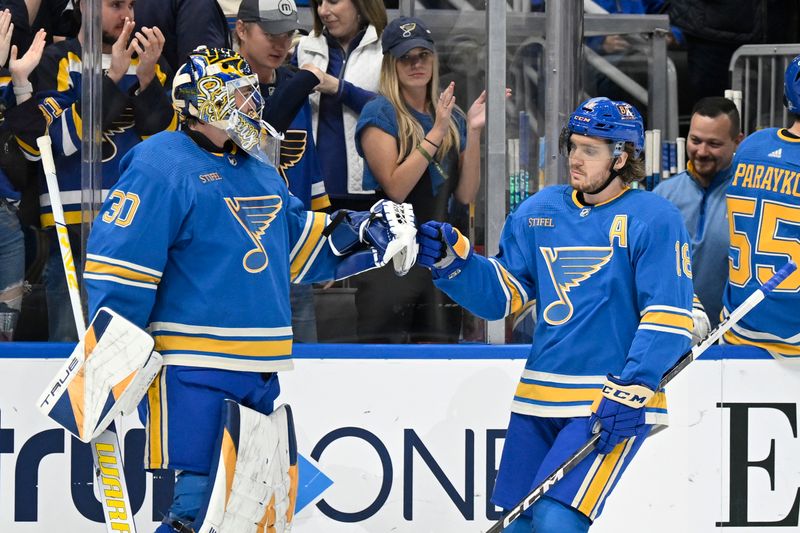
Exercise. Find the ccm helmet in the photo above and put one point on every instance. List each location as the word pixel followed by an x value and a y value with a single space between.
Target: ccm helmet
pixel 617 121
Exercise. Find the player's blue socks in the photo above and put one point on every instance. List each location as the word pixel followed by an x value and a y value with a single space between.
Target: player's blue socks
pixel 520 525
pixel 190 491
pixel 550 516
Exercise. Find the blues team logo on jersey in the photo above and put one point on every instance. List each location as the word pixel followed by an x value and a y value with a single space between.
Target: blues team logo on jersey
pixel 293 148
pixel 569 267
pixel 255 215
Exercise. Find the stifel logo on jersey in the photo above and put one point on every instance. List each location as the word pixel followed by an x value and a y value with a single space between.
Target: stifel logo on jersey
pixel 569 267
pixel 255 215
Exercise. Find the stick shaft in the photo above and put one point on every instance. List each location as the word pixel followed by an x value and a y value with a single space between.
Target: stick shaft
pixel 106 452
pixel 45 148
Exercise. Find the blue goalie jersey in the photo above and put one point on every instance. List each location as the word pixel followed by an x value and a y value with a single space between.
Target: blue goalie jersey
pixel 612 284
pixel 200 248
pixel 764 220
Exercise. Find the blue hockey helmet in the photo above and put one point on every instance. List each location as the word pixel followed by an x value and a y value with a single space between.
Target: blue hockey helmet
pixel 614 120
pixel 791 86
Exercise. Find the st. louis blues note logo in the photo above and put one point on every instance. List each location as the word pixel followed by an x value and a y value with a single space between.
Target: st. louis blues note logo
pixel 255 214
pixel 569 267
pixel 408 28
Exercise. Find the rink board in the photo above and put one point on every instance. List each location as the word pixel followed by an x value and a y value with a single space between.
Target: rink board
pixel 411 436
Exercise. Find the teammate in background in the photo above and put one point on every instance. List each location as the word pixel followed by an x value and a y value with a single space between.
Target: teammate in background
pixel 264 33
pixel 764 222
pixel 420 148
pixel 201 252
pixel 610 270
pixel 699 194
pixel 135 106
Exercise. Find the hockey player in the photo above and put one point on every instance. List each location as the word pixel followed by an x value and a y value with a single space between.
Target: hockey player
pixel 609 268
pixel 763 203
pixel 198 242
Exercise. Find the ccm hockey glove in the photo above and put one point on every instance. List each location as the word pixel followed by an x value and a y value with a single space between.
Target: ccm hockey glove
pixel 442 249
pixel 620 413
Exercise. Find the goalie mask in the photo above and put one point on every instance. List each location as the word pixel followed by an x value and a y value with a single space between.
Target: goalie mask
pixel 216 86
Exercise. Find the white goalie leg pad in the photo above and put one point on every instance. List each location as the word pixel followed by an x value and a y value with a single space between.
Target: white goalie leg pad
pixel 254 486
pixel 105 376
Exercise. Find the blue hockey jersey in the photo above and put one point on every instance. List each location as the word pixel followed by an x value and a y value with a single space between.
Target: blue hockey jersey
pixel 613 289
pixel 200 248
pixel 764 221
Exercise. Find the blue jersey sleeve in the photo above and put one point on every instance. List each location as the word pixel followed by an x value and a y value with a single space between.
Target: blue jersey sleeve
pixel 138 223
pixel 496 287
pixel 663 277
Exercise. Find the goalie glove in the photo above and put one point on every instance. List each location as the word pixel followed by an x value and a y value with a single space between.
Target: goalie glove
pixel 620 413
pixel 701 323
pixel 388 230
pixel 443 249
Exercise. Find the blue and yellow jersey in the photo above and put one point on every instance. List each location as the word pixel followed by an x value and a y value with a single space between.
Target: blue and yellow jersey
pixel 613 290
pixel 764 221
pixel 201 248
pixel 299 163
pixel 129 115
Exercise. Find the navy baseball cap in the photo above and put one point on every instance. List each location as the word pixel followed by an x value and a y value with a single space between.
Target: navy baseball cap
pixel 273 16
pixel 404 34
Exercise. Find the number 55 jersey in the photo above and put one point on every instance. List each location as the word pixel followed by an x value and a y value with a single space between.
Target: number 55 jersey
pixel 764 221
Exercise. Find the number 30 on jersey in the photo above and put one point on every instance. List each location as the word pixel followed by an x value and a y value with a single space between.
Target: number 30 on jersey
pixel 122 208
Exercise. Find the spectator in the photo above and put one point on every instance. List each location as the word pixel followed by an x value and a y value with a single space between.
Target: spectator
pixel 699 194
pixel 12 175
pixel 186 24
pixel 135 105
pixel 421 149
pixel 713 31
pixel 345 44
pixel 58 18
pixel 264 34
pixel 628 53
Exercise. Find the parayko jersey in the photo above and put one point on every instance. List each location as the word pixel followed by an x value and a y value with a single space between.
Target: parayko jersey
pixel 613 288
pixel 764 221
pixel 200 248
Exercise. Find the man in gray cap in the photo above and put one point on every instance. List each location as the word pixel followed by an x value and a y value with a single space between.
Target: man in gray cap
pixel 264 31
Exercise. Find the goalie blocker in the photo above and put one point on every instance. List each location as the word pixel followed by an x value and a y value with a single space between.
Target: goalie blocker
pixel 105 376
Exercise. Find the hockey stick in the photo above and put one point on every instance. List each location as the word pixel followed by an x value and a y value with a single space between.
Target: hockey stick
pixel 753 300
pixel 106 453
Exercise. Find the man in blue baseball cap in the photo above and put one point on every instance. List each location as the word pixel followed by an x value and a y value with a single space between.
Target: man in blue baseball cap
pixel 609 269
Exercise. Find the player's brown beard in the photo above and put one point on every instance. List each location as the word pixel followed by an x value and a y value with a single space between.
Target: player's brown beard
pixel 107 38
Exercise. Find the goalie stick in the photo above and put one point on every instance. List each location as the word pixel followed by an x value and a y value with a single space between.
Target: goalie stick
pixel 106 454
pixel 753 300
